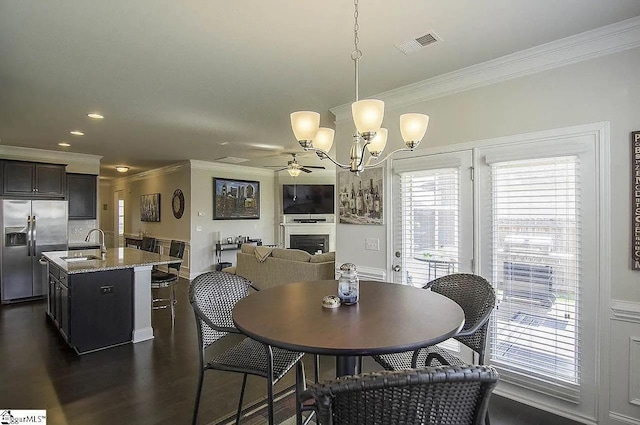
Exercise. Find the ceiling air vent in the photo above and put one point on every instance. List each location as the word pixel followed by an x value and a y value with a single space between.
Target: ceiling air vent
pixel 415 44
pixel 231 160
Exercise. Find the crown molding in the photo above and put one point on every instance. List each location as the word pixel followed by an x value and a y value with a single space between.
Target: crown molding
pixel 43 155
pixel 625 310
pixel 602 41
pixel 230 168
pixel 151 173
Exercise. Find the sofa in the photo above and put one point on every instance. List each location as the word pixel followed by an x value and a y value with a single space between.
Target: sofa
pixel 281 266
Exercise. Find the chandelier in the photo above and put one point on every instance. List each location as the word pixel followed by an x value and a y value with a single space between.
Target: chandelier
pixel 367 116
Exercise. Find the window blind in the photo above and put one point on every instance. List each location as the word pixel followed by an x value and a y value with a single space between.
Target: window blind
pixel 429 207
pixel 536 253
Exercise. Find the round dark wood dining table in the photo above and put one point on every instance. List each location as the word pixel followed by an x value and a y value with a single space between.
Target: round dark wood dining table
pixel 389 318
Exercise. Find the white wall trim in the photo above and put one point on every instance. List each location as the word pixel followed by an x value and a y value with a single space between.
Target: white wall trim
pixel 623 419
pixel 602 41
pixel 625 310
pixel 634 371
pixel 222 167
pixel 505 390
pixel 603 135
pixel 367 273
pixel 40 155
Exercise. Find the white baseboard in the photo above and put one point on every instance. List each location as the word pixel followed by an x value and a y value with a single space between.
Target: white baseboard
pixel 618 418
pixel 143 334
pixel 367 273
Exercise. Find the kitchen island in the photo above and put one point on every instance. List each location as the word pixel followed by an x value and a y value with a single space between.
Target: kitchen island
pixel 98 301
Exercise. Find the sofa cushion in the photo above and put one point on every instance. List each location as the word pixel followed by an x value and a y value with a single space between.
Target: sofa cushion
pixel 247 249
pixel 291 254
pixel 323 258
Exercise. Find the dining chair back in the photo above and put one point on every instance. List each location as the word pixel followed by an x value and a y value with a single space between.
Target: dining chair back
pixel 477 298
pixel 213 296
pixel 443 395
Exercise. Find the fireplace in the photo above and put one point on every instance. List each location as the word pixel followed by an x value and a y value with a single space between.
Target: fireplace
pixel 310 243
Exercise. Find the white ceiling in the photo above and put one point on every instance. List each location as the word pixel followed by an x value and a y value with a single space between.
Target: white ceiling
pixel 175 79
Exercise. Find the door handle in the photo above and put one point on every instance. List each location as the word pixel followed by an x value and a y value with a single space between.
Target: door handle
pixel 396 268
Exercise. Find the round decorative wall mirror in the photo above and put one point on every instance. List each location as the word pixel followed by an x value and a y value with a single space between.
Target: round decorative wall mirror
pixel 177 203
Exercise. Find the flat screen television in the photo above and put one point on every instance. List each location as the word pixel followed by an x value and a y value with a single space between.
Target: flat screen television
pixel 308 199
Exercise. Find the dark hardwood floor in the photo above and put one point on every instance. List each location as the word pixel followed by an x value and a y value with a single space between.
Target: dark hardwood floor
pixel 152 382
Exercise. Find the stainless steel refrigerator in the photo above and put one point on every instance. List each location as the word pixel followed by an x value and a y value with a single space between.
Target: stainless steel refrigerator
pixel 28 229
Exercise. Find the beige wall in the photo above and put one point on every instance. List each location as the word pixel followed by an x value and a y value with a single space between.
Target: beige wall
pixel 205 231
pixel 164 181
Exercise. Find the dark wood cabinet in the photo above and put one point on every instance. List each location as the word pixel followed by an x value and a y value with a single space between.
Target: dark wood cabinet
pixel 92 310
pixel 82 196
pixel 32 179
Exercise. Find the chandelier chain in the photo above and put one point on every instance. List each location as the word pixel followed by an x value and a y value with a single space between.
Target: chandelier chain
pixel 356 54
pixel 356 27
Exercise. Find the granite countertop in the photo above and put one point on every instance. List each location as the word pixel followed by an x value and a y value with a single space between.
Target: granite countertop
pixel 86 245
pixel 116 258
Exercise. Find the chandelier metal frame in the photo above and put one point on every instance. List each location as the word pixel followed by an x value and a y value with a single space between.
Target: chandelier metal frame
pixel 374 139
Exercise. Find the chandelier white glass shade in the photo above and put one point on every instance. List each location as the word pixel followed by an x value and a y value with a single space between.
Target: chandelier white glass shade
pixel 367 116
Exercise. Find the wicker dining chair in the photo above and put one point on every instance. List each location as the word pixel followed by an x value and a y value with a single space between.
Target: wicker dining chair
pixel 442 395
pixel 477 298
pixel 213 296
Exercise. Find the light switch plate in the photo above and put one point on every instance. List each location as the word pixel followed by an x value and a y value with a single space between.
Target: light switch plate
pixel 372 244
pixel 198 228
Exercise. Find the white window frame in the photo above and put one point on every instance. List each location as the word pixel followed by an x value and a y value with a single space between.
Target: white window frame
pixel 597 397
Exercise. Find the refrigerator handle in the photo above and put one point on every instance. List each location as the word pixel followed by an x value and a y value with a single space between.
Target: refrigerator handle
pixel 33 236
pixel 28 236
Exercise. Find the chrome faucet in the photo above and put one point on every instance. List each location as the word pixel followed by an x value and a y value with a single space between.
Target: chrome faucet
pixel 103 247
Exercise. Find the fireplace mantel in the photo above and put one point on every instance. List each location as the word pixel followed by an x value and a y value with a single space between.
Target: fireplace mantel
pixel 325 225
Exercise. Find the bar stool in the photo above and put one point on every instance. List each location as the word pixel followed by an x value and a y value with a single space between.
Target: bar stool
pixel 162 279
pixel 149 244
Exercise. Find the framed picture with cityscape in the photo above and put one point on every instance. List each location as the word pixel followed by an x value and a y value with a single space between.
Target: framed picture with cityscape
pixel 360 197
pixel 235 199
pixel 150 207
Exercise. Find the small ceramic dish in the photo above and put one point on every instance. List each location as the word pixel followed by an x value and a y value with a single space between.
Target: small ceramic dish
pixel 331 301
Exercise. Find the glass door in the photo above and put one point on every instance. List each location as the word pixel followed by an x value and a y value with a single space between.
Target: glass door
pixel 433 217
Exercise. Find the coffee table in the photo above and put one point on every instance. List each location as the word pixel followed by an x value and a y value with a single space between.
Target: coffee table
pixel 389 318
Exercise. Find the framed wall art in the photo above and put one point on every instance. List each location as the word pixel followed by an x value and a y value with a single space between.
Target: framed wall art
pixel 360 197
pixel 235 199
pixel 150 207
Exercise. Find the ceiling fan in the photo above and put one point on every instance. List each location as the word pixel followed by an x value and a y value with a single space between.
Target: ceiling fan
pixel 294 168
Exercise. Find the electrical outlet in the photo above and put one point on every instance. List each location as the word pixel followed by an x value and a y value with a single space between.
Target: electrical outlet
pixel 372 244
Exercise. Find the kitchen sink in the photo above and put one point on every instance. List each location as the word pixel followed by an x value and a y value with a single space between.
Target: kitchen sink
pixel 80 258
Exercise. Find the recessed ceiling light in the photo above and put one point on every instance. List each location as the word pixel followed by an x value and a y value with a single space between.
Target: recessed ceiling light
pixel 224 143
pixel 95 116
pixel 122 169
pixel 65 144
pixel 77 133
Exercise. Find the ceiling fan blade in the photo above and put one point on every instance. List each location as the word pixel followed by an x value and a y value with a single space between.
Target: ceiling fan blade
pixel 318 167
pixel 281 169
pixel 304 169
pixel 272 166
